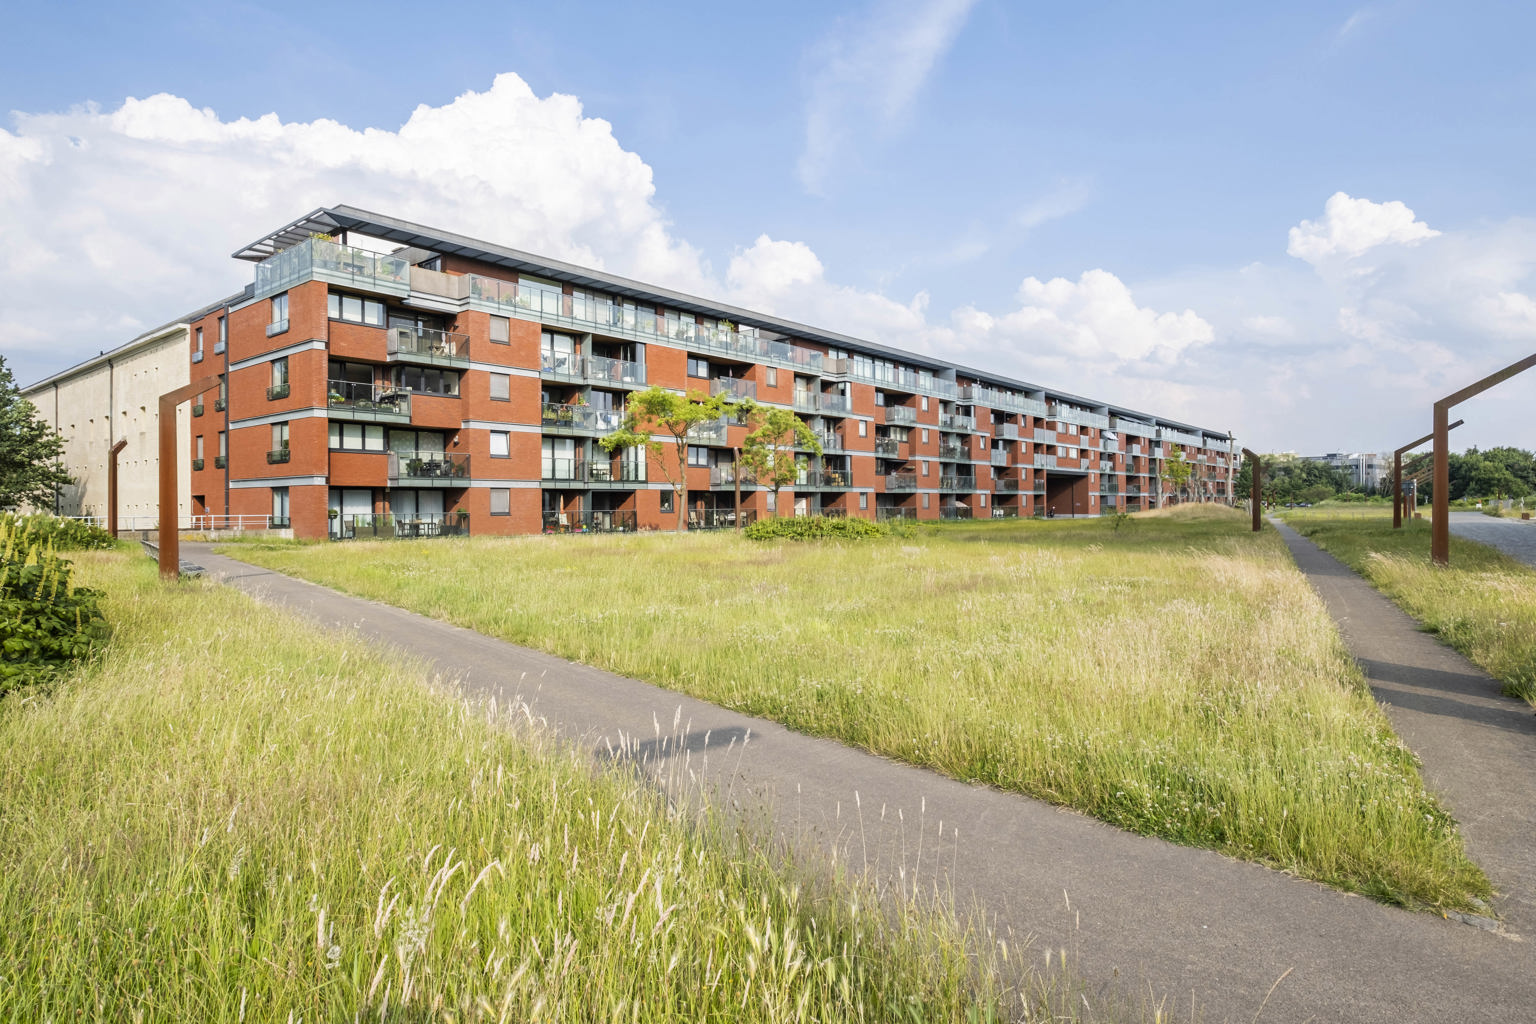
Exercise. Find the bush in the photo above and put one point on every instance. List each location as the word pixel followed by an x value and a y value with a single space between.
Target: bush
pixel 45 623
pixel 63 534
pixel 814 528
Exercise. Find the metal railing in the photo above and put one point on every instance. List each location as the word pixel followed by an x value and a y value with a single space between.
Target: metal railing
pixel 954 512
pixel 275 392
pixel 1007 485
pixel 884 512
pixel 424 344
pixel 724 475
pixel 580 417
pixel 590 521
pixel 401 526
pixel 888 447
pixel 951 482
pixel 614 371
pixel 950 450
pixel 331 261
pixel 831 478
pixel 278 455
pixel 900 414
pixel 580 471
pixel 368 401
pixel 999 457
pixel 952 421
pixel 901 481
pixel 736 387
pixel 718 518
pixel 429 468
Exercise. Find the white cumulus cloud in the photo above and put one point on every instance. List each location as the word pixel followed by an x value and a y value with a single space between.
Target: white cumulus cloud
pixel 1350 227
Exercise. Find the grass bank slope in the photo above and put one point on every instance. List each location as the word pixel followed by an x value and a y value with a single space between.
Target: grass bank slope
pixel 1175 676
pixel 233 816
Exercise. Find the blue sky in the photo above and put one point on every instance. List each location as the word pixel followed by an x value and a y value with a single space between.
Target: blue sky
pixel 1136 202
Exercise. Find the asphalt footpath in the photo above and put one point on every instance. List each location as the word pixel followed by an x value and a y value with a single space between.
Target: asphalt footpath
pixel 1143 923
pixel 1515 537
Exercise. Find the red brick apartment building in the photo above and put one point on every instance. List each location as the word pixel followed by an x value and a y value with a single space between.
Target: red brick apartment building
pixel 455 383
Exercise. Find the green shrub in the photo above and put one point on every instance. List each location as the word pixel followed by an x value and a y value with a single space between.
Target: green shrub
pixel 45 623
pixel 63 534
pixel 814 528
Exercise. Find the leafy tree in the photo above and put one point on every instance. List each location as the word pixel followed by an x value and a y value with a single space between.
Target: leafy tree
pixel 659 411
pixel 769 450
pixel 1177 468
pixel 30 473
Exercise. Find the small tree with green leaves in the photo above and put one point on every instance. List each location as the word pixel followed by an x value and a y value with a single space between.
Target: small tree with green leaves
pixel 1177 469
pixel 769 450
pixel 657 411
pixel 30 473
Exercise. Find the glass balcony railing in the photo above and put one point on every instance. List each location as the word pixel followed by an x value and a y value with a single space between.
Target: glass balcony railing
pixel 999 457
pixel 733 386
pixel 724 475
pixel 598 471
pixel 580 417
pixel 1006 485
pixel 817 478
pixel 425 345
pixel 615 371
pixel 401 526
pixel 900 414
pixel 590 521
pixel 805 401
pixel 888 447
pixel 952 451
pixel 718 518
pixel 712 432
pixel 951 421
pixel 1081 417
pixel 834 403
pixel 955 482
pixel 1045 462
pixel 901 482
pixel 428 468
pixel 325 260
pixel 357 401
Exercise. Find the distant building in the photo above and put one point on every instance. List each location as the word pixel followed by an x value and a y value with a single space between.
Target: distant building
pixel 1365 469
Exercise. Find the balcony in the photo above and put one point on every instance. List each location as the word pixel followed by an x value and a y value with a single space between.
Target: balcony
pixel 955 512
pixel 955 482
pixel 320 259
pixel 999 457
pixel 197 464
pixel 579 419
pixel 951 421
pixel 581 473
pixel 221 462
pixel 830 441
pixel 888 448
pixel 427 346
pixel 733 386
pixel 900 414
pixel 279 391
pixel 833 403
pixel 1043 436
pixel 1009 431
pixel 220 404
pixel 901 482
pixel 1083 418
pixel 197 410
pixel 371 403
pixel 409 468
pixel 951 450
pixel 718 518
pixel 819 479
pixel 724 475
pixel 1007 485
pixel 279 456
pixel 1178 437
pixel 406 526
pixel 805 401
pixel 590 521
pixel 562 364
pixel 1045 462
pixel 709 432
pixel 606 370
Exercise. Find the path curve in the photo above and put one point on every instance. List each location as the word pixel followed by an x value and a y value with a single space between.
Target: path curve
pixel 1136 915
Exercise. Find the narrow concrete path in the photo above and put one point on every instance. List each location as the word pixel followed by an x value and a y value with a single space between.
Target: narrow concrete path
pixel 1143 922
pixel 1515 537
pixel 1477 746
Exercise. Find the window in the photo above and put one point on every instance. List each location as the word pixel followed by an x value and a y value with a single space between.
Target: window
pixel 355 309
pixel 280 435
pixel 501 444
pixel 925 403
pixel 773 376
pixel 501 387
pixel 863 428
pixel 357 437
pixel 925 500
pixel 666 501
pixel 426 380
pixel 698 367
pixel 199 454
pixel 279 388
pixel 983 499
pixel 925 467
pixel 697 455
pixel 279 506
pixel 863 499
pixel 279 322
pixel 925 435
pixel 197 345
pixel 501 330
pixel 501 501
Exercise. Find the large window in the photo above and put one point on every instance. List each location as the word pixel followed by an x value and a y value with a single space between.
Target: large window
pixel 279 388
pixel 280 506
pixel 698 455
pixel 357 437
pixel 698 367
pixel 279 322
pixel 355 309
pixel 427 380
